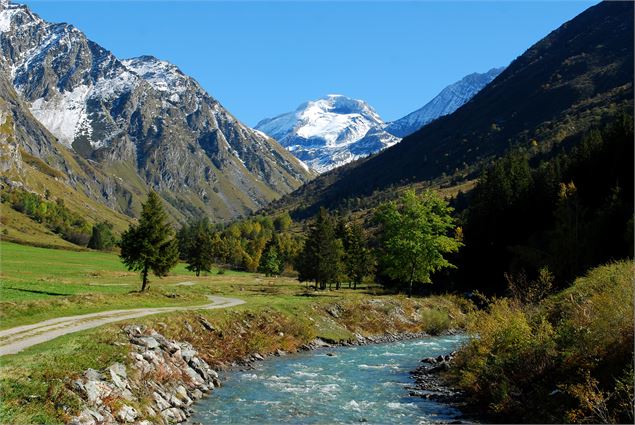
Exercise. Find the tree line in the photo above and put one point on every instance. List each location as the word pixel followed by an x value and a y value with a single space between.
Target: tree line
pixel 406 242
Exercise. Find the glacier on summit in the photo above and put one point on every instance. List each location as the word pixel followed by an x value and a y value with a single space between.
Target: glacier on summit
pixel 329 132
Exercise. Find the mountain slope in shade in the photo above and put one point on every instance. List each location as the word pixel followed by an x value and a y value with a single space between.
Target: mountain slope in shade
pixel 329 132
pixel 577 77
pixel 142 121
pixel 447 101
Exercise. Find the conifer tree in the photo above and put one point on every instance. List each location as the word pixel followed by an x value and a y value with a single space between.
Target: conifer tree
pixel 358 259
pixel 321 258
pixel 199 252
pixel 150 245
pixel 102 237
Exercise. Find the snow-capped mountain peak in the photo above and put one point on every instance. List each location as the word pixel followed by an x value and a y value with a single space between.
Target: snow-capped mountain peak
pixel 447 101
pixel 328 132
pixel 141 112
pixel 334 130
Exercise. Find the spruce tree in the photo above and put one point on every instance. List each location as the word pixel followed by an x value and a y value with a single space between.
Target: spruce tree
pixel 358 259
pixel 150 245
pixel 321 258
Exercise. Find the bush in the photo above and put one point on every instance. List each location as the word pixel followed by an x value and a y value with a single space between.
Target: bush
pixel 566 359
pixel 435 321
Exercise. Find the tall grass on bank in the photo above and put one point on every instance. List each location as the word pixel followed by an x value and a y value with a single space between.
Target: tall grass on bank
pixel 566 359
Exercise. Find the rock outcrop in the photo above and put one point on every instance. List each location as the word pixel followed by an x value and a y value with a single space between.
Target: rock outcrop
pixel 160 382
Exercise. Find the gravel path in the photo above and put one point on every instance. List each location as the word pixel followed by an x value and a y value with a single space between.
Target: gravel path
pixel 17 339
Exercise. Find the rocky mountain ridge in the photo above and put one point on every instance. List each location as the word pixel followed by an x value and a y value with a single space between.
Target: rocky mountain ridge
pixel 447 101
pixel 140 120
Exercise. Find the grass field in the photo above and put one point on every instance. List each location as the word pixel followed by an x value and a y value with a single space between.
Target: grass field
pixel 40 283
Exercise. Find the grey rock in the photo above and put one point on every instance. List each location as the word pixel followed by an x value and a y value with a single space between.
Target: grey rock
pixel 93 375
pixel 319 343
pixel 146 341
pixel 127 413
pixel 119 376
pixel 151 357
pixel 161 402
pixel 195 377
pixel 87 417
pixel 207 325
pixel 132 330
pixel 173 415
pixel 176 401
pixel 188 354
pixel 96 391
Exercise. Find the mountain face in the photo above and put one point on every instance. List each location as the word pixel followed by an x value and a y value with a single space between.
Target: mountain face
pixel 141 120
pixel 577 77
pixel 447 101
pixel 329 132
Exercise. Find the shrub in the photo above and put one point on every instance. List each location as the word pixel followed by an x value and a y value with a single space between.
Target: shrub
pixel 435 321
pixel 567 359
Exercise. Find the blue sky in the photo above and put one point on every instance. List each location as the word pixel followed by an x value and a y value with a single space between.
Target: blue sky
pixel 260 59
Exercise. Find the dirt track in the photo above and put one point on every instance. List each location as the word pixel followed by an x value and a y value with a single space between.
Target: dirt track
pixel 17 339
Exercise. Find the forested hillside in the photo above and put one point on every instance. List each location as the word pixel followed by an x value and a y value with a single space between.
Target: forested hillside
pixel 563 214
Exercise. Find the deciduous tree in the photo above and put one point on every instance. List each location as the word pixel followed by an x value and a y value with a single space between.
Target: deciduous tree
pixel 415 234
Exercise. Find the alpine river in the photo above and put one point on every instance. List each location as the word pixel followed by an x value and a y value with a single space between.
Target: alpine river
pixel 334 385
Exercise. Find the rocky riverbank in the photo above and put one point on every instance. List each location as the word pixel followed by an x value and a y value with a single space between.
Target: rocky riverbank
pixel 163 378
pixel 431 384
pixel 161 382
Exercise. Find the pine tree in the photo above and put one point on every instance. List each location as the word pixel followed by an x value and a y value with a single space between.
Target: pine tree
pixel 150 245
pixel 414 237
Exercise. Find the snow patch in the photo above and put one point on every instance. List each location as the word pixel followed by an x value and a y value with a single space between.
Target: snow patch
pixel 64 114
pixel 162 75
pixel 6 15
